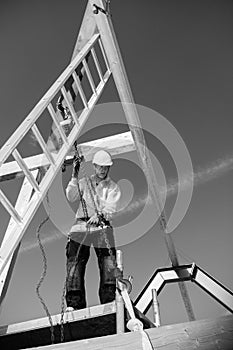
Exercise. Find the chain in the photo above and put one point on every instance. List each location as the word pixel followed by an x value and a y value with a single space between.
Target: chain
pixel 84 206
pixel 65 113
pixel 92 190
pixel 45 266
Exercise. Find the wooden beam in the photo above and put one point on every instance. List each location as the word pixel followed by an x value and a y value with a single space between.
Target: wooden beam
pixel 116 144
pixel 86 32
pixel 113 54
pixel 74 316
pixel 213 334
pixel 21 203
pixel 87 29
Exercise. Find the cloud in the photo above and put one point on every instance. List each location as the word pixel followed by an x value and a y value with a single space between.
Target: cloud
pixel 212 171
pixel 54 235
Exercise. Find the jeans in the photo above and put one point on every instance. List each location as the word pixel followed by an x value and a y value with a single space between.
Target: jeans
pixel 77 253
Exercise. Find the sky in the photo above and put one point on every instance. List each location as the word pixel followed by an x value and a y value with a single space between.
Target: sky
pixel 178 56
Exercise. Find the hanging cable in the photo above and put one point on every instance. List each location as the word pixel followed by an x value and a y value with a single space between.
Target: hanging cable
pixel 44 272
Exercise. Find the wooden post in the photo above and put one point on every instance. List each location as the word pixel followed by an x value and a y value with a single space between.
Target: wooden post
pixel 156 310
pixel 22 200
pixel 120 322
pixel 116 64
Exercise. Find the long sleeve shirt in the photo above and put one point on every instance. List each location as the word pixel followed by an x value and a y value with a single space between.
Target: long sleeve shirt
pixel 106 195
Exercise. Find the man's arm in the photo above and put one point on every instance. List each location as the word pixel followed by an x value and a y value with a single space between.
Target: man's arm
pixel 72 190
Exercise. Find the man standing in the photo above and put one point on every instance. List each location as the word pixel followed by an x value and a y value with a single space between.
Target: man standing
pixel 98 197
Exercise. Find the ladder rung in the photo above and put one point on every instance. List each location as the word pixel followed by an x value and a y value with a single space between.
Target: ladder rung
pixel 56 122
pixel 80 89
pixel 42 144
pixel 9 207
pixel 104 55
pixel 70 106
pixel 95 58
pixel 91 81
pixel 26 125
pixel 25 169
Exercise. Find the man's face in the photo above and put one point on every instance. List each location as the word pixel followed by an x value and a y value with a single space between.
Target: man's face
pixel 101 171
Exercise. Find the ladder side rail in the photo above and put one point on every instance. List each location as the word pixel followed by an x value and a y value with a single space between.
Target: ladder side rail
pixel 88 28
pixel 17 137
pixel 17 231
pixel 30 120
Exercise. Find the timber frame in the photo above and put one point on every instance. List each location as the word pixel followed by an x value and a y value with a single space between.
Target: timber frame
pixel 96 37
pixel 96 30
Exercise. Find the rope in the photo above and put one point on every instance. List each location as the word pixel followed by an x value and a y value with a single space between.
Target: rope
pixel 44 272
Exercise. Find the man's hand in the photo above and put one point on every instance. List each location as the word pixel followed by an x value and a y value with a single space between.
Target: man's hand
pixel 94 220
pixel 76 165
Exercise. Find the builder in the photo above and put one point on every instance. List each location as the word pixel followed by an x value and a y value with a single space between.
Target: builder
pixel 97 198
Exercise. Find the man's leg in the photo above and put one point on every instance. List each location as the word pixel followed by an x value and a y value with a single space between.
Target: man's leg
pixel 106 261
pixel 76 266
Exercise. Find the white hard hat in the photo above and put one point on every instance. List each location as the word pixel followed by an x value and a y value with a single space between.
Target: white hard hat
pixel 102 158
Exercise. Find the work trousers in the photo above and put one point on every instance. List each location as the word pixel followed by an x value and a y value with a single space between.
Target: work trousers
pixel 77 253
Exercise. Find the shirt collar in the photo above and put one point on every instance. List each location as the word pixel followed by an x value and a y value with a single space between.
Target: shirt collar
pixel 102 182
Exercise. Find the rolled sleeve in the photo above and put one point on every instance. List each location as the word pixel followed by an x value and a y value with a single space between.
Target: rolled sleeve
pixel 72 193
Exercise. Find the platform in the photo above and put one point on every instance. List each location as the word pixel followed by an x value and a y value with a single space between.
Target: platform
pixel 95 321
pixel 91 322
pixel 210 334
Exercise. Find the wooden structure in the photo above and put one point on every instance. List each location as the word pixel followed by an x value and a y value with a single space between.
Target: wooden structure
pixel 205 334
pixel 105 320
pixel 93 329
pixel 96 43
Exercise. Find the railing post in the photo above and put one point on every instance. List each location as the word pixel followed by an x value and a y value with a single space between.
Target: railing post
pixel 156 311
pixel 120 319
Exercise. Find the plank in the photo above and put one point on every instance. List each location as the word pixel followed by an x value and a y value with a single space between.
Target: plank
pixel 116 144
pixel 208 334
pixel 78 315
